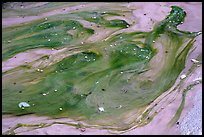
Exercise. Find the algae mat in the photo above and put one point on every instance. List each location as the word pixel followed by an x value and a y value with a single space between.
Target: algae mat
pixel 98 80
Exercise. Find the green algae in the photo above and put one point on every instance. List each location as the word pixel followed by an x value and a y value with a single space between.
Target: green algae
pixel 33 11
pixel 99 18
pixel 104 74
pixel 46 34
pixel 184 93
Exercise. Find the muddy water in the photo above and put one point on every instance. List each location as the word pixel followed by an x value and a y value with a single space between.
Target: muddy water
pixel 142 23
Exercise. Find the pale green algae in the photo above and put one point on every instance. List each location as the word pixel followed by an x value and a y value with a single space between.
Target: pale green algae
pixel 9 11
pixel 114 74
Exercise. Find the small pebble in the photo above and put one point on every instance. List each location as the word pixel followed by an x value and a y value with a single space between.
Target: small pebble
pixel 83 129
pixel 194 60
pixel 23 105
pixel 198 79
pixel 188 133
pixel 183 76
pixel 101 109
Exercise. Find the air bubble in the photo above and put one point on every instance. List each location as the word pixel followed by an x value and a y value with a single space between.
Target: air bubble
pixel 147 57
